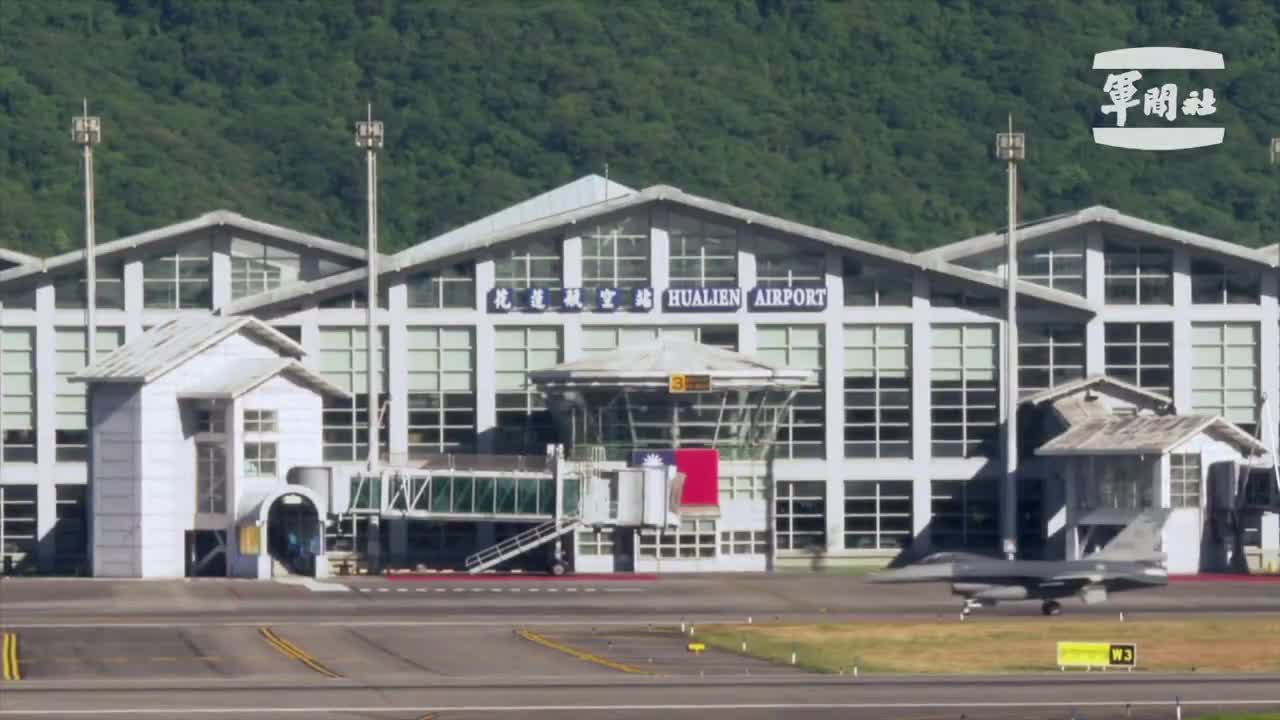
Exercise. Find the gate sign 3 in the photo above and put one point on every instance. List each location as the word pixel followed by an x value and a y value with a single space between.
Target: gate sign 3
pixel 689 383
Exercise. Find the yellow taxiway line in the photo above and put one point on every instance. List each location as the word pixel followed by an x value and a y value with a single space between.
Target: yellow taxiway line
pixel 290 650
pixel 534 637
pixel 12 670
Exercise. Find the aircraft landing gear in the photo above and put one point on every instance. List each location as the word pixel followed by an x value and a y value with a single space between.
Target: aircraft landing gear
pixel 969 605
pixel 1051 608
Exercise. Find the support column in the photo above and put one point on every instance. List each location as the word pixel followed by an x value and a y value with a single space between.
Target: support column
pixel 397 376
pixel 133 300
pixel 46 422
pixel 486 361
pixel 921 419
pixel 1182 358
pixel 1095 267
pixel 833 400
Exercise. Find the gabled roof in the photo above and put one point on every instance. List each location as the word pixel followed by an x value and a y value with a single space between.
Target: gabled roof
pixel 1093 381
pixel 443 248
pixel 246 374
pixel 655 363
pixel 170 344
pixel 217 218
pixel 17 258
pixel 1145 435
pixel 1097 214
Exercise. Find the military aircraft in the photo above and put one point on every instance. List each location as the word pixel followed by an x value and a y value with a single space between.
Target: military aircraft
pixel 1126 563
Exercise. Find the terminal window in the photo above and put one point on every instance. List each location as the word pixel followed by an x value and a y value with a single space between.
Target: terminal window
pixel 17 380
pixel 781 263
pixel 1138 274
pixel 615 254
pixel 1060 267
pixel 453 286
pixel 703 254
pixel 71 433
pixel 871 285
pixel 1224 372
pixel 179 281
pixel 800 514
pixel 1049 355
pixel 70 291
pixel 1213 283
pixel 877 514
pixel 1140 354
pixel 964 387
pixel 877 391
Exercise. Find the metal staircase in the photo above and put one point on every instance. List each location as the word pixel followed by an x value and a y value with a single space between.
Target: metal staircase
pixel 524 542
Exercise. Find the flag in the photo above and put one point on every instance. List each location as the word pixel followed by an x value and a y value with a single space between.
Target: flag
pixel 701 468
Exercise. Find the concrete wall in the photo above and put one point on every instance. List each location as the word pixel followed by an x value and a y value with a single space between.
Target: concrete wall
pixel 116 500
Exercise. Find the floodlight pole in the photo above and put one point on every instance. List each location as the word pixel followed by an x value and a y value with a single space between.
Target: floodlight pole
pixel 86 131
pixel 1275 454
pixel 1012 148
pixel 369 137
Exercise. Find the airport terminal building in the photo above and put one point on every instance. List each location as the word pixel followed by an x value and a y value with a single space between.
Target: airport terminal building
pixel 229 390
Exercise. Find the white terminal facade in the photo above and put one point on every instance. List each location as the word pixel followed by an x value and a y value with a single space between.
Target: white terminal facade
pixel 893 448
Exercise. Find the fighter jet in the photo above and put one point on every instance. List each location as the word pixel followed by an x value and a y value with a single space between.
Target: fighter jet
pixel 1127 563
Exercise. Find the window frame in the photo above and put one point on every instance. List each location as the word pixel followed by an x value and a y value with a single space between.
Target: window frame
pixel 787 505
pixel 695 242
pixel 211 477
pixel 601 249
pixel 190 266
pixel 1058 371
pixel 879 390
pixel 1151 264
pixel 806 414
pixel 879 498
pixel 1136 372
pixel 1185 488
pixel 441 413
pixel 972 433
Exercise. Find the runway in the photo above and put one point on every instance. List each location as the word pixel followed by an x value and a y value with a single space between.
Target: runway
pixel 377 648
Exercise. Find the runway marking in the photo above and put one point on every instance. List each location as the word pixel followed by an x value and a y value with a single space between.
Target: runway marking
pixel 404 710
pixel 12 670
pixel 290 650
pixel 580 654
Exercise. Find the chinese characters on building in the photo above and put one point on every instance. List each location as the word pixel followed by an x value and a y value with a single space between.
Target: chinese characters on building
pixel 705 299
pixel 1160 101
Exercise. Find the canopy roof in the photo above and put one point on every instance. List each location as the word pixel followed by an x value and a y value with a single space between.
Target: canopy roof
pixel 1146 435
pixel 653 365
pixel 170 344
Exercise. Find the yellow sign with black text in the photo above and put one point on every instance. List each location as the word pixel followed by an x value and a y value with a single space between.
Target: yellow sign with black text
pixel 1093 654
pixel 250 540
pixel 689 383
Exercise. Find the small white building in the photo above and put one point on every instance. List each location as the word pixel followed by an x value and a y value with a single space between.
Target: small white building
pixel 1118 453
pixel 198 428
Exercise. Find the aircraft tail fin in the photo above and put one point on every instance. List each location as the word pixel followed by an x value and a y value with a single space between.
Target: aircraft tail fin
pixel 1138 541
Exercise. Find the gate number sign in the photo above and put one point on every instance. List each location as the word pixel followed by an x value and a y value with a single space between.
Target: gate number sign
pixel 689 383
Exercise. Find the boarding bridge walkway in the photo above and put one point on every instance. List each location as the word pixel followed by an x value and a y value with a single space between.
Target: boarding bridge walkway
pixel 475 494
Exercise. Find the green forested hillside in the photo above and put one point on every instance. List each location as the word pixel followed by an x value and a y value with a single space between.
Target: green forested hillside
pixel 873 118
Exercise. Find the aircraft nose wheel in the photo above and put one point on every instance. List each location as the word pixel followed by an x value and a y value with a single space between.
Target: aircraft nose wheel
pixel 1051 607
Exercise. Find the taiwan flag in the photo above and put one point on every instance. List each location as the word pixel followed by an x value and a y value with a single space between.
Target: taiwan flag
pixel 701 468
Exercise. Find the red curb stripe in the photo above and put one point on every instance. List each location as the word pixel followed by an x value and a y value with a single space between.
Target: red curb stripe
pixel 1222 578
pixel 511 577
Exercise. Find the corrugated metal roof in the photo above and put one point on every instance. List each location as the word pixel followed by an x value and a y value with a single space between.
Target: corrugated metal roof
pixel 443 249
pixel 657 362
pixel 216 218
pixel 1145 435
pixel 172 343
pixel 1076 386
pixel 244 375
pixel 1097 213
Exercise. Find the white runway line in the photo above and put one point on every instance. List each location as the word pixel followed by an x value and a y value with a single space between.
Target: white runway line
pixel 176 711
